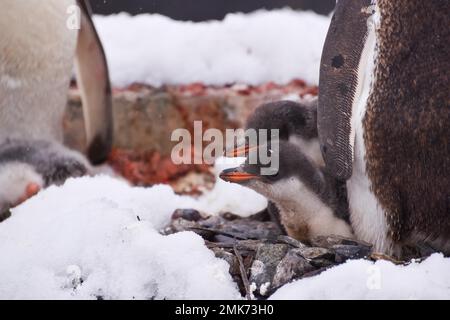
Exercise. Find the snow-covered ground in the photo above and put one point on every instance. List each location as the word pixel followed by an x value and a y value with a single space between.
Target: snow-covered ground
pixel 99 237
pixel 252 48
pixel 360 279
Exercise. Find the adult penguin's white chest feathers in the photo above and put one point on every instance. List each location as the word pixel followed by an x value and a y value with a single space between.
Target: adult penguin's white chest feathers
pixel 34 33
pixel 367 215
pixel 36 60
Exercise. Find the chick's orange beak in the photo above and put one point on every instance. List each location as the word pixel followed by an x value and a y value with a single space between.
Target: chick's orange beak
pixel 31 190
pixel 236 175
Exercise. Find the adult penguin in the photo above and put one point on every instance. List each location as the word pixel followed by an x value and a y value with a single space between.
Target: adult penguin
pixel 39 42
pixel 384 119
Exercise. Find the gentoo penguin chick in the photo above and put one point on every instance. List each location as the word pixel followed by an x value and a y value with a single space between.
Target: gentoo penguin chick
pixel 26 166
pixel 296 122
pixel 383 119
pixel 307 198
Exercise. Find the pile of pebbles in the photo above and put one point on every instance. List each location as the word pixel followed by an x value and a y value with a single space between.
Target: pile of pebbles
pixel 261 257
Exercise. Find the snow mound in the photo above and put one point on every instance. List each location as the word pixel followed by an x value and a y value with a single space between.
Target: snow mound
pixel 230 197
pixel 254 48
pixel 362 279
pixel 97 237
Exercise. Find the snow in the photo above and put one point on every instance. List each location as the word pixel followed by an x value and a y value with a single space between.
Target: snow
pixel 105 232
pixel 90 227
pixel 254 48
pixel 230 197
pixel 360 279
pixel 98 237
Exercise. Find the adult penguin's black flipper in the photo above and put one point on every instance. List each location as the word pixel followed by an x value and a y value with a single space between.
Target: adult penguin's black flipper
pixel 340 83
pixel 93 80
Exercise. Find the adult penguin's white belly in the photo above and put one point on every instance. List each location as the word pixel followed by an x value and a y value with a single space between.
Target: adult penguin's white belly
pixel 368 217
pixel 36 64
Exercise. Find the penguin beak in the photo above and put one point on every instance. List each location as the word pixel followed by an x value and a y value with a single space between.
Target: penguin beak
pixel 237 175
pixel 242 151
pixel 31 190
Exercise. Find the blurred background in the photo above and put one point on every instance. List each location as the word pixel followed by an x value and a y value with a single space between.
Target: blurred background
pixel 217 72
pixel 201 10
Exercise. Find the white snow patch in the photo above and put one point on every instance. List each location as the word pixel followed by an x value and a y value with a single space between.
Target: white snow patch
pixel 97 236
pixel 89 228
pixel 362 279
pixel 230 197
pixel 254 48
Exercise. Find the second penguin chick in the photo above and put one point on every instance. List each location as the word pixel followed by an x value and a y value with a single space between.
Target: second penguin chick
pixel 296 122
pixel 310 202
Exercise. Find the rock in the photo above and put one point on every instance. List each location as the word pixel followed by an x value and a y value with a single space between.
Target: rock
pixel 381 256
pixel 264 267
pixel 293 266
pixel 188 214
pixel 314 253
pixel 314 273
pixel 318 257
pixel 249 229
pixel 330 241
pixel 224 239
pixel 224 230
pixel 262 216
pixel 345 252
pixel 230 216
pixel 270 259
pixel 230 258
pixel 249 245
pixel 291 241
pixel 181 225
pixel 213 222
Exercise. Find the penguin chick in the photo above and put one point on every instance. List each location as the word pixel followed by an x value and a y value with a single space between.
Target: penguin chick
pixel 296 122
pixel 309 201
pixel 28 166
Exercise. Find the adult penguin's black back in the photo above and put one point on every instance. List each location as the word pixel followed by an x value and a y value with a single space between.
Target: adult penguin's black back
pixel 384 118
pixel 407 125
